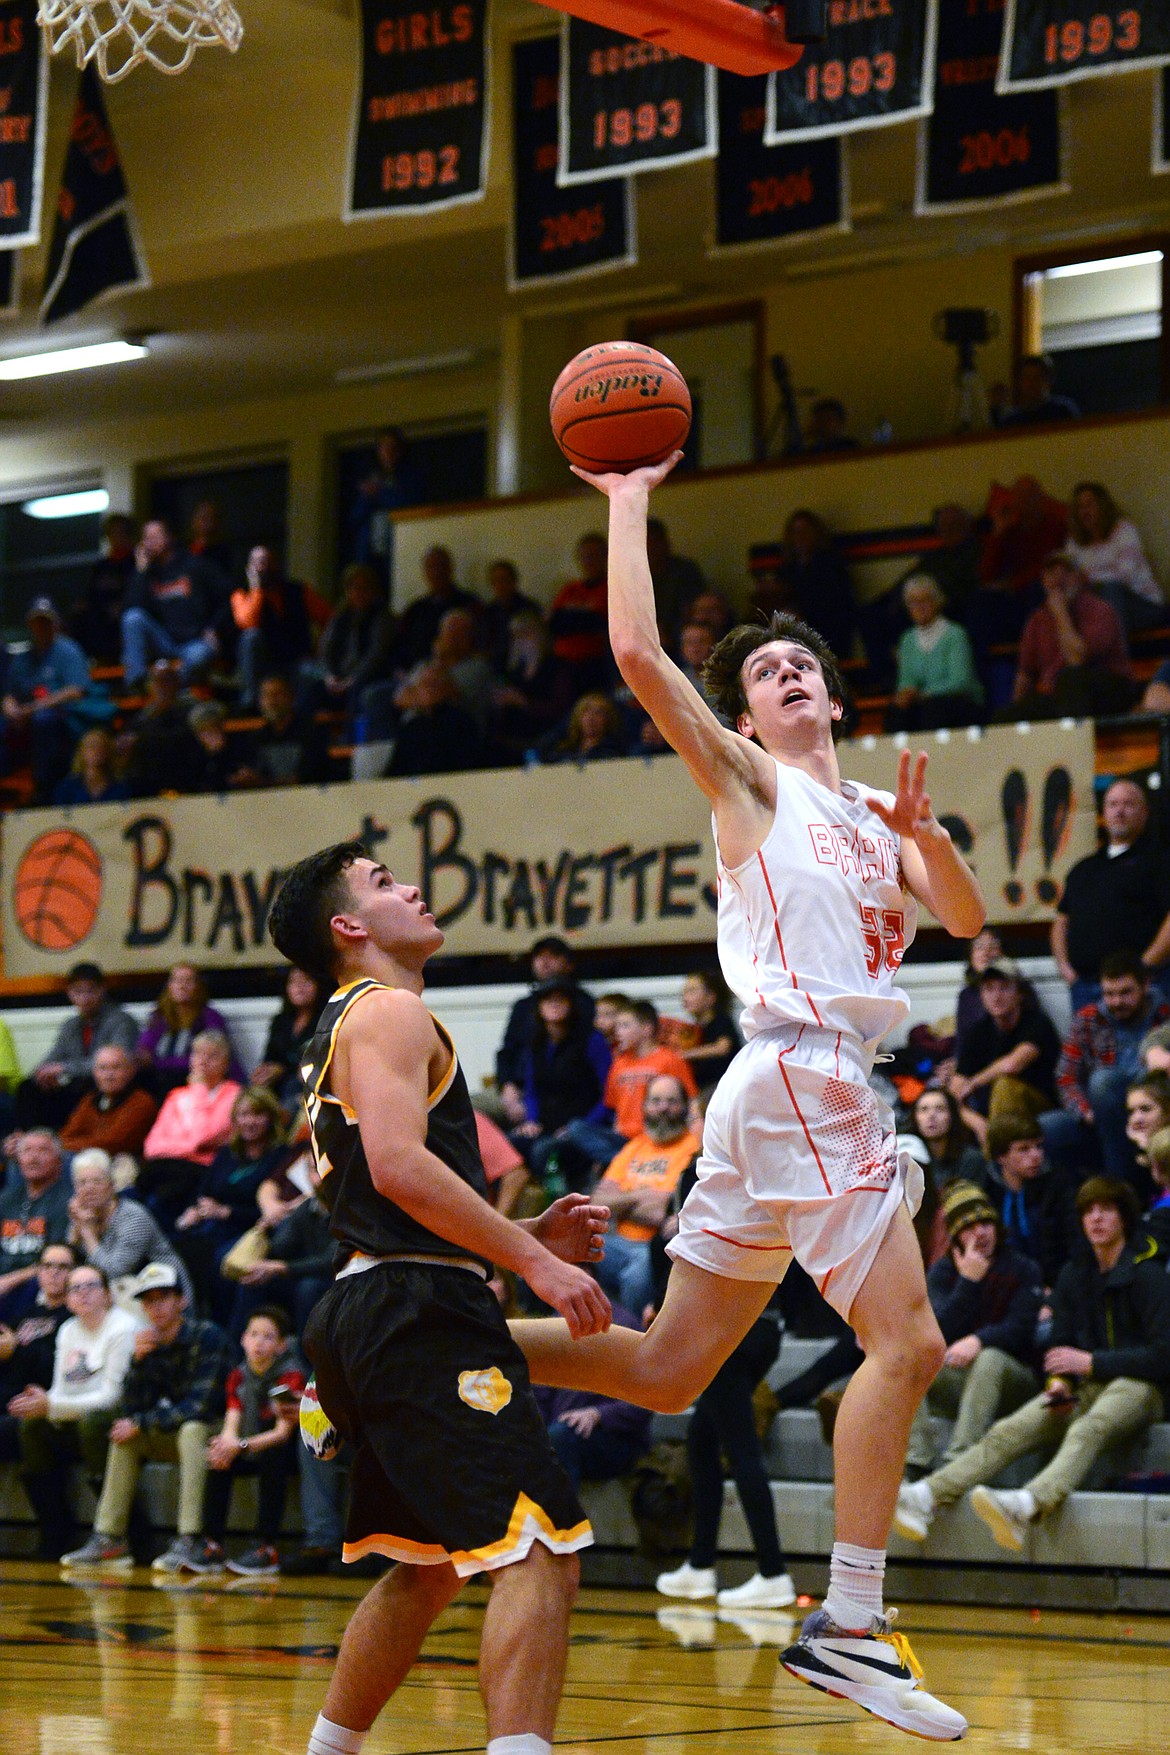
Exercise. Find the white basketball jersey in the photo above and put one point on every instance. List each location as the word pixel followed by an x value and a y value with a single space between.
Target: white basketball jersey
pixel 812 928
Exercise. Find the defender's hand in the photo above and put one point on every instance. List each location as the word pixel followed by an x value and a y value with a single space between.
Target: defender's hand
pixel 572 1228
pixel 572 1294
pixel 615 484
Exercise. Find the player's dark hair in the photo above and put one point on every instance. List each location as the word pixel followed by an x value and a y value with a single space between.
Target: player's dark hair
pixel 306 902
pixel 1120 964
pixel 723 671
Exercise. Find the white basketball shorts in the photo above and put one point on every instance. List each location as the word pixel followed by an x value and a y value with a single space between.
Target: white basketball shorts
pixel 798 1159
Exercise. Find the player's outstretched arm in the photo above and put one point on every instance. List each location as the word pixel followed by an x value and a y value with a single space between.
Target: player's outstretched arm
pixel 936 871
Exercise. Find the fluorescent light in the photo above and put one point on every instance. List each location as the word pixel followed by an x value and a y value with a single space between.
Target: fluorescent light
pixel 77 504
pixel 406 368
pixel 1140 259
pixel 69 359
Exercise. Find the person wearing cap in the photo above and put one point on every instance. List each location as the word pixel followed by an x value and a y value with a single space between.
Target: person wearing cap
pixel 563 1072
pixel 550 958
pixel 49 699
pixel 1107 1367
pixel 1074 659
pixel 987 1298
pixel 1007 1060
pixel 171 1398
pixel 57 1084
pixel 1117 899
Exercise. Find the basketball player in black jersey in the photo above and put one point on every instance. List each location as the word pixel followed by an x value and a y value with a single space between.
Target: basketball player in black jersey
pixel 453 1473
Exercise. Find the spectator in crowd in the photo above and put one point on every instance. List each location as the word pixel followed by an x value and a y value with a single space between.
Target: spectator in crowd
pixel 70 1421
pixel 9 1083
pixel 157 746
pixel 815 578
pixel 1033 1199
pixel 595 1437
pixel 258 1438
pixel 987 1299
pixel 1098 1062
pixel 716 1038
pixel 224 1204
pixel 29 1323
pixel 505 603
pixel 274 618
pixel 110 1230
pixel 288 1034
pixel 194 1122
pixel 1073 654
pixel 1108 550
pixel 677 580
pixel 1035 402
pixel 595 732
pixel 951 560
pixel 49 699
pixel 471 683
pixel 1147 1108
pixel 954 1156
pixel 1027 525
pixel 1156 1223
pixel 713 610
pixel 95 620
pixel 606 1012
pixel 562 1072
pixel 1107 1369
pixel 34 1209
pixel 1117 899
pixel 936 683
pixel 298 1266
pixel 503 1166
pixel 92 778
pixel 183 1010
pixel 1154 1050
pixel 577 618
pixel 290 748
pixel 696 642
pixel 986 948
pixel 826 428
pixel 536 692
pixel 436 735
pixel 50 1095
pixel 117 1114
pixel 206 538
pixel 418 626
pixel 549 957
pixel 638 1186
pixel 357 644
pixel 172 1395
pixel 640 1058
pixel 1007 1062
pixel 214 766
pixel 393 482
pixel 176 607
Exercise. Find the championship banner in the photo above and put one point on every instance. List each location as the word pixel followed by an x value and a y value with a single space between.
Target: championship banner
pixel 1051 42
pixel 613 854
pixel 1160 151
pixel 420 134
pixel 557 235
pixel 764 194
pixel 629 106
pixel 24 88
pixel 875 66
pixel 94 249
pixel 977 148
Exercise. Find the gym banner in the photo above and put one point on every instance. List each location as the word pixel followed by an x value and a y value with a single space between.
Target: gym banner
pixel 875 66
pixel 94 250
pixel 764 194
pixel 611 854
pixel 1160 150
pixel 24 89
pixel 978 148
pixel 1051 42
pixel 629 106
pixel 420 134
pixel 557 234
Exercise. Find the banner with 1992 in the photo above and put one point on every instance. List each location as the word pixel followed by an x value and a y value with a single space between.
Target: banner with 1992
pixel 629 106
pixel 767 193
pixel 874 66
pixel 1051 42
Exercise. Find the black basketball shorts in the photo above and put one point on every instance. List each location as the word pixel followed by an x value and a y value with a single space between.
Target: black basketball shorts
pixel 416 1367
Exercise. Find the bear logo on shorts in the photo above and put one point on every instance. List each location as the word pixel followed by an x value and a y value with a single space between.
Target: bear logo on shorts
pixel 487 1391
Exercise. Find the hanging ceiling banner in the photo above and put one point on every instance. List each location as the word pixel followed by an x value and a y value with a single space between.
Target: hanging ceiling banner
pixel 629 106
pixel 1160 147
pixel 420 133
pixel 875 66
pixel 558 234
pixel 94 250
pixel 24 88
pixel 979 148
pixel 1051 42
pixel 765 194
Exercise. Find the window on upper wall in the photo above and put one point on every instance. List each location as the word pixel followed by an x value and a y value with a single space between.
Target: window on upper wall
pixel 438 465
pixel 1097 314
pixel 50 538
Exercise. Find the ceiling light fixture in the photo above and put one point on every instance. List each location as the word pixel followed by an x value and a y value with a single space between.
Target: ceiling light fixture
pixel 77 503
pixel 69 359
pixel 1103 264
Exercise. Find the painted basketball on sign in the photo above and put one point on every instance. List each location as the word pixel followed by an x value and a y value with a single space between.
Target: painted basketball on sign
pixel 58 890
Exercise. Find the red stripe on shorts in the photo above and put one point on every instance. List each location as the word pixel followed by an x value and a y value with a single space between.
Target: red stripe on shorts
pixel 735 1242
pixel 804 1124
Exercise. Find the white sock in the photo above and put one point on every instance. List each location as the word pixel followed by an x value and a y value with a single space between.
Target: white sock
pixel 326 1738
pixel 856 1576
pixel 526 1744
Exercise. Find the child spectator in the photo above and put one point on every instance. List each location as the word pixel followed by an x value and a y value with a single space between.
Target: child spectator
pixel 182 1011
pixel 1147 1108
pixel 1109 552
pixel 639 1059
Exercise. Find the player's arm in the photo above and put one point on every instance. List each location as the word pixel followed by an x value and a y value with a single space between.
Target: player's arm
pixel 936 872
pixel 381 1070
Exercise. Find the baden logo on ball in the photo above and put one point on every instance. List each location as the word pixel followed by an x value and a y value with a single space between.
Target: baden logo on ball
pixel 619 406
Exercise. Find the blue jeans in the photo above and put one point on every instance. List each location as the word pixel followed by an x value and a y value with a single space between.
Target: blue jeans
pixel 603 1456
pixel 144 639
pixel 1076 1145
pixel 624 1272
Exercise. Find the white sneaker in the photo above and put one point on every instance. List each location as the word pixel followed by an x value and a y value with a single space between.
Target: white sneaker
pixel 687 1581
pixel 877 1671
pixel 1007 1512
pixel 760 1593
pixel 914 1511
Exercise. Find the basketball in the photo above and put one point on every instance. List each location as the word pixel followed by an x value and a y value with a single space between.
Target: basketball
pixel 58 890
pixel 619 406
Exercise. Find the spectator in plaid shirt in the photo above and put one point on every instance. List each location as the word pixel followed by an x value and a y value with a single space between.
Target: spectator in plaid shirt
pixel 1100 1059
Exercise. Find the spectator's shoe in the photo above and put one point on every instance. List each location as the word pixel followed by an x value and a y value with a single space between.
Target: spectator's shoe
pixel 101 1551
pixel 1007 1512
pixel 263 1561
pixel 914 1512
pixel 687 1581
pixel 206 1557
pixel 307 1562
pixel 183 1555
pixel 875 1670
pixel 760 1593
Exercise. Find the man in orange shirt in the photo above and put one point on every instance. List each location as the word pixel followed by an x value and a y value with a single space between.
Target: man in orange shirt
pixel 637 1188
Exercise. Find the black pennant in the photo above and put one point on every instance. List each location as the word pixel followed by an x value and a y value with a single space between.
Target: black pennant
pixel 94 250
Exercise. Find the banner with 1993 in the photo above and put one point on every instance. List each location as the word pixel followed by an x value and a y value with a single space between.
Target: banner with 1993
pixel 630 106
pixel 874 66
pixel 1051 42
pixel 764 194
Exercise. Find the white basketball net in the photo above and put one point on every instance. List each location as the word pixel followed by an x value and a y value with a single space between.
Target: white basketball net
pixel 119 35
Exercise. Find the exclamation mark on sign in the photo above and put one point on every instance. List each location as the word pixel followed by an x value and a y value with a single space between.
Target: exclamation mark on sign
pixel 1055 823
pixel 1014 803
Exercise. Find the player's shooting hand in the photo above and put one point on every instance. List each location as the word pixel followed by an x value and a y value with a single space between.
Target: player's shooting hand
pixel 572 1293
pixel 910 814
pixel 616 485
pixel 573 1228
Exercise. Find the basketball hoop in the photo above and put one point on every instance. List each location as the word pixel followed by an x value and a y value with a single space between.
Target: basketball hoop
pixel 724 33
pixel 119 35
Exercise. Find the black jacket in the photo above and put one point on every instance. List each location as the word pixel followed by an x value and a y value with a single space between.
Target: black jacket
pixel 1001 1308
pixel 1122 1318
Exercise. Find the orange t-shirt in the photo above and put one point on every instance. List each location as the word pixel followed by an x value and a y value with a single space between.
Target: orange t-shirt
pixel 646 1166
pixel 629 1074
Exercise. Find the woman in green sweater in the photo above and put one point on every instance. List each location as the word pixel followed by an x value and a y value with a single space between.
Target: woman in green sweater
pixel 937 684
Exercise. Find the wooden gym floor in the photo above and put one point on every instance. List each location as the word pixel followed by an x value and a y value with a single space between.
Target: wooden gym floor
pixel 125 1667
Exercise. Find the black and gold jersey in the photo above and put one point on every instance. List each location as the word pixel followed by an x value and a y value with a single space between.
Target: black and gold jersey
pixel 362 1219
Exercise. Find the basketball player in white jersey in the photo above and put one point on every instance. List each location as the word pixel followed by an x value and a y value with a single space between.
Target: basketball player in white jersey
pixel 817 889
